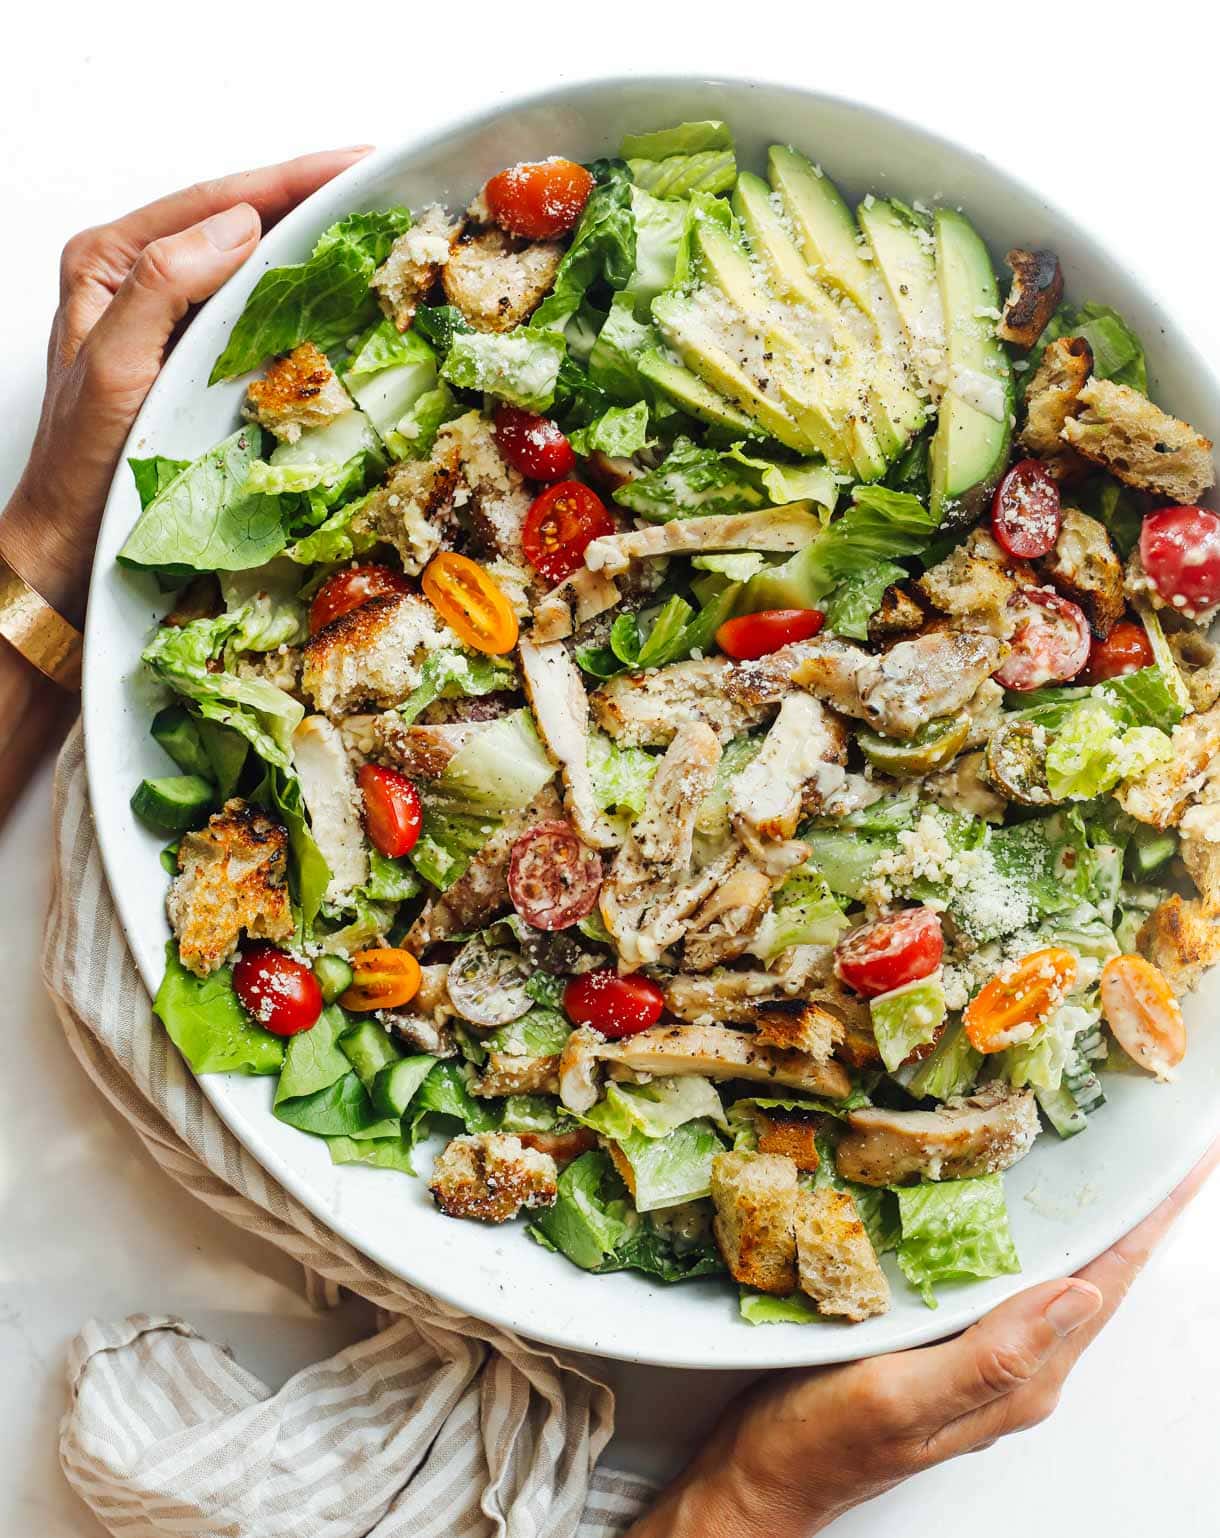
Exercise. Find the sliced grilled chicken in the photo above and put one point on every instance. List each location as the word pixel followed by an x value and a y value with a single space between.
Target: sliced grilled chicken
pixel 333 802
pixel 711 1050
pixel 644 710
pixel 798 767
pixel 421 752
pixel 585 593
pixel 723 924
pixel 735 997
pixel 561 710
pixel 775 528
pixel 975 1135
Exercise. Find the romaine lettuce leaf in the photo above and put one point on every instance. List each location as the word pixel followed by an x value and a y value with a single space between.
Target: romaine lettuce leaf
pixel 153 475
pixel 451 674
pixel 266 604
pixel 763 1308
pixel 1040 1061
pixel 389 374
pixel 676 162
pixel 1117 352
pixel 659 225
pixel 445 1092
pixel 804 912
pixel 1093 750
pixel 540 1032
pixel 207 1024
pixel 907 1017
pixel 955 1230
pixel 614 358
pixel 696 482
pixel 501 769
pixel 950 1069
pixel 521 366
pixel 603 247
pixel 854 602
pixel 656 1108
pixel 621 776
pixel 322 300
pixel 342 1109
pixel 674 1168
pixel 390 880
pixel 619 432
pixel 334 539
pixel 308 872
pixel 448 841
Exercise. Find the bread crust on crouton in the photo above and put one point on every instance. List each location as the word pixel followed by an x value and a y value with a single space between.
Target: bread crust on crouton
pixel 491 1176
pixel 971 587
pixel 413 509
pixel 1201 857
pixel 799 1025
pixel 1037 288
pixel 1085 568
pixel 755 1200
pixel 299 390
pixel 1182 939
pixel 1051 397
pixel 1198 660
pixel 232 877
pixel 899 614
pixel 795 1137
pixel 413 266
pixel 506 1073
pixel 372 654
pixel 1123 432
pixel 837 1265
pixel 495 281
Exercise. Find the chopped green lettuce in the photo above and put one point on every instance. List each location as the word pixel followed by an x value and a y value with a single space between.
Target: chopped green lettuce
pixel 501 769
pixel 804 912
pixel 907 1017
pixel 951 1068
pixel 614 358
pixel 954 1231
pixel 207 1024
pixel 266 602
pixel 323 300
pixel 1092 751
pixel 621 776
pixel 312 1059
pixel 697 482
pixel 602 248
pixel 677 162
pixel 656 1108
pixel 153 475
pixel 451 674
pixel 674 1168
pixel 448 841
pixel 659 226
pixel 619 432
pixel 1117 352
pixel 308 872
pixel 389 374
pixel 446 1092
pixel 540 1032
pixel 521 366
pixel 764 1308
pixel 1040 1061
pixel 854 602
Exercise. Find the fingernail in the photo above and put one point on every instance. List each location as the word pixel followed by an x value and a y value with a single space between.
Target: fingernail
pixel 1073 1307
pixel 230 229
pixel 357 149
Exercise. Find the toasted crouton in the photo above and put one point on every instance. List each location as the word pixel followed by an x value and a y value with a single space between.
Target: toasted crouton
pixel 971 587
pixel 1198 660
pixel 1037 288
pixel 1181 939
pixel 1201 857
pixel 373 653
pixel 799 1025
pixel 755 1200
pixel 231 878
pixel 413 509
pixel 496 282
pixel 795 1137
pixel 1051 397
pixel 837 1265
pixel 1123 432
pixel 490 1176
pixel 506 1073
pixel 414 266
pixel 898 614
pixel 299 390
pixel 1084 567
pixel 1161 795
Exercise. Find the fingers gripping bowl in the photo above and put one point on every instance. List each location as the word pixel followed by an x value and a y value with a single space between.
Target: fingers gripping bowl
pixel 1066 1199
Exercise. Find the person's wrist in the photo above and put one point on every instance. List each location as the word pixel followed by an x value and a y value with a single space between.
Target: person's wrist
pixel 41 550
pixel 726 1503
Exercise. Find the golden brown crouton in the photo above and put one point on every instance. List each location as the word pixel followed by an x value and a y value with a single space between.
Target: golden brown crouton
pixel 496 282
pixel 1123 432
pixel 971 587
pixel 799 1025
pixel 838 1267
pixel 231 877
pixel 413 266
pixel 413 509
pixel 1201 857
pixel 1051 397
pixel 1037 288
pixel 507 1073
pixel 795 1137
pixel 372 654
pixel 1084 567
pixel 1181 939
pixel 755 1200
pixel 490 1176
pixel 1161 795
pixel 563 1147
pixel 1198 660
pixel 898 614
pixel 299 390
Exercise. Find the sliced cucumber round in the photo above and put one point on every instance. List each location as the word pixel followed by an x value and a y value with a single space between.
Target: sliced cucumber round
pixel 177 803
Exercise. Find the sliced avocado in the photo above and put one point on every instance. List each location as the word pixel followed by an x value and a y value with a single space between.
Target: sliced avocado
pixel 970 446
pixel 706 353
pixel 787 585
pixel 904 256
pixel 689 392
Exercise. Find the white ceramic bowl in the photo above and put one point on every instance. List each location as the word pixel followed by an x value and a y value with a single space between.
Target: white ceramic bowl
pixel 1068 1201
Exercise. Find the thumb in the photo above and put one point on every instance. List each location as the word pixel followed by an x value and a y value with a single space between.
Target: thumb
pixel 124 351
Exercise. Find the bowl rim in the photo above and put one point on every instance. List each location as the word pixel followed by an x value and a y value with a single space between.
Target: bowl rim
pixel 952 1315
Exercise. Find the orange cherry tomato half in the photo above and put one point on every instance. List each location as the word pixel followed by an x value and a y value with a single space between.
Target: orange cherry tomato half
pixel 393 816
pixel 1008 1010
pixel 1125 650
pixel 757 635
pixel 382 978
pixel 559 527
pixel 349 589
pixel 471 602
pixel 538 199
pixel 1143 1014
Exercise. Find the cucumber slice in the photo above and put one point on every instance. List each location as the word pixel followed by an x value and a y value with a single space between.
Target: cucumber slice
pixel 177 731
pixel 334 977
pixel 1151 849
pixel 176 804
pixel 1062 1111
pixel 368 1049
pixel 395 1086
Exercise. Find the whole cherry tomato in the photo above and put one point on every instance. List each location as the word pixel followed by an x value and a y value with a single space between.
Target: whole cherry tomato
pixel 891 951
pixel 349 589
pixel 1050 644
pixel 538 199
pixel 616 1006
pixel 560 526
pixel 392 812
pixel 553 879
pixel 532 444
pixel 1180 551
pixel 1125 650
pixel 280 992
pixel 471 602
pixel 1025 512
pixel 757 635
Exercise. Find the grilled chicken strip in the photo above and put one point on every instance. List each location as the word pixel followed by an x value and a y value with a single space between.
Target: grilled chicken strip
pixel 975 1135
pixel 561 709
pixel 725 922
pixel 799 765
pixel 711 1050
pixel 644 710
pixel 788 528
pixel 332 800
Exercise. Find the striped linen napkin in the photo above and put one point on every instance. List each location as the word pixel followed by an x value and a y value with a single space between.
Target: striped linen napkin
pixel 437 1425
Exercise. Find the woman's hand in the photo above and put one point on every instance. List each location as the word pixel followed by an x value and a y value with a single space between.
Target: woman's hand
pixel 124 288
pixel 801 1448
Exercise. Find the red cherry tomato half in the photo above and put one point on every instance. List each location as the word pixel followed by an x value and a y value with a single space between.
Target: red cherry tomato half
pixel 392 813
pixel 532 444
pixel 890 952
pixel 757 635
pixel 553 879
pixel 539 199
pixel 1180 551
pixel 559 527
pixel 349 589
pixel 280 992
pixel 1050 644
pixel 1125 650
pixel 1025 513
pixel 616 1006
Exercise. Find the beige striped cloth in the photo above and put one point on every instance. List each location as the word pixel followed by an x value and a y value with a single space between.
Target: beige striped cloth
pixel 437 1425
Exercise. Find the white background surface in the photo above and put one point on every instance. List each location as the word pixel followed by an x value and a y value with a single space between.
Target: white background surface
pixel 102 110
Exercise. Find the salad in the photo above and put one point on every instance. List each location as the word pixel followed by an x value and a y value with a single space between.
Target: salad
pixel 680 690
